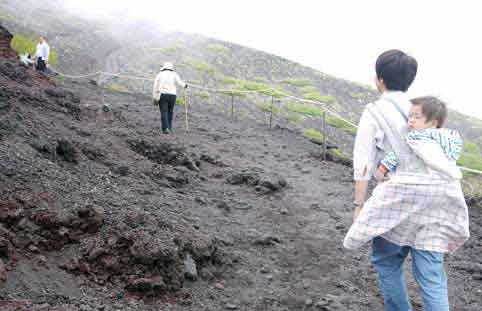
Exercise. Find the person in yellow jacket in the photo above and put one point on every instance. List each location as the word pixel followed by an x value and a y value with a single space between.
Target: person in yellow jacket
pixel 164 93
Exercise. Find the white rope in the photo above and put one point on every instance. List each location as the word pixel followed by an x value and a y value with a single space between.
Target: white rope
pixel 303 100
pixel 100 73
pixel 471 170
pixel 74 77
pixel 234 92
pixel 127 76
pixel 228 91
pixel 321 104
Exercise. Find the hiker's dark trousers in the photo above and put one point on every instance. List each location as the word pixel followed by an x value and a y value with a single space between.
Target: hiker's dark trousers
pixel 41 66
pixel 166 106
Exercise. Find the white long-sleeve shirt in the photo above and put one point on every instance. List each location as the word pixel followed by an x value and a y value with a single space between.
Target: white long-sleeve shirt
pixel 370 137
pixel 165 83
pixel 43 51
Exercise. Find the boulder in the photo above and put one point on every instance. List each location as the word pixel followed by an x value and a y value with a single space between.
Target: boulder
pixel 66 150
pixel 147 285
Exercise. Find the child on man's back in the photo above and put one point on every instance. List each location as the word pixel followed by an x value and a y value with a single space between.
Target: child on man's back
pixel 439 147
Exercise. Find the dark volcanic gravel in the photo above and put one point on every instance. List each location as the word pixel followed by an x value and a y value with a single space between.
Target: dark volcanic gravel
pixel 99 211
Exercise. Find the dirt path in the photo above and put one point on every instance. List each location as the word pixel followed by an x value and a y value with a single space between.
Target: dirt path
pixel 281 250
pixel 308 268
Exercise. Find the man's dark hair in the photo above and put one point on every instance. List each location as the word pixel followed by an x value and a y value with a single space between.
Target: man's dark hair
pixel 396 69
pixel 432 109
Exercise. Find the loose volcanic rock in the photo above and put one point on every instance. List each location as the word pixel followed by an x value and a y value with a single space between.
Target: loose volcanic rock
pixel 67 151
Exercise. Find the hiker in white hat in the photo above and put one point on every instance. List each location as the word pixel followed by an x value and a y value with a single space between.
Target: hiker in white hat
pixel 164 94
pixel 42 55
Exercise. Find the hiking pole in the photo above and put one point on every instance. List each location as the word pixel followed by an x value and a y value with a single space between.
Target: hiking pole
pixel 324 136
pixel 186 103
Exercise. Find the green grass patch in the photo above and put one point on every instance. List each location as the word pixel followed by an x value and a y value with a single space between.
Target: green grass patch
pixel 320 98
pixel 219 49
pixel 275 92
pixel 470 160
pixel 471 156
pixel 363 85
pixel 304 109
pixel 204 95
pixel 243 85
pixel 200 65
pixel 237 93
pixel 228 80
pixel 336 154
pixel 357 95
pixel 252 86
pixel 471 147
pixel 260 79
pixel 309 89
pixel 269 108
pixel 341 124
pixel 314 135
pixel 28 44
pixel 294 118
pixel 115 87
pixel 172 49
pixel 298 82
pixel 60 77
pixel 180 100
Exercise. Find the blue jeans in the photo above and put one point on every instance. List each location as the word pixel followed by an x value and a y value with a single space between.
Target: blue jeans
pixel 428 271
pixel 166 106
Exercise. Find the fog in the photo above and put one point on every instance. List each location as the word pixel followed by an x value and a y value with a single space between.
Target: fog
pixel 341 38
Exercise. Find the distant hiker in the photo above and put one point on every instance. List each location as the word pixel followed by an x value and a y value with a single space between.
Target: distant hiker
pixel 419 210
pixel 42 55
pixel 438 147
pixel 164 93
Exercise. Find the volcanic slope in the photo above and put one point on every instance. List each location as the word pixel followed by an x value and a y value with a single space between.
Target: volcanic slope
pixel 99 211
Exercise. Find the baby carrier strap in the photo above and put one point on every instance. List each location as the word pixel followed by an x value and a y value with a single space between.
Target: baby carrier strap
pixel 395 139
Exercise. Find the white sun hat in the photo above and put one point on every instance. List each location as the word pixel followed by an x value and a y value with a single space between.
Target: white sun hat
pixel 167 66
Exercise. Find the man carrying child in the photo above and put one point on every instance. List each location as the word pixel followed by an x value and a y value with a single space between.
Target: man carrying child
pixel 420 209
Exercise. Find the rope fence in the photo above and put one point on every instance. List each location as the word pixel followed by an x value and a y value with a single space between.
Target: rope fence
pixel 237 93
pixel 472 184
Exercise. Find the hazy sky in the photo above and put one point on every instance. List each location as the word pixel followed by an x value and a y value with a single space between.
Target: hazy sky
pixel 343 37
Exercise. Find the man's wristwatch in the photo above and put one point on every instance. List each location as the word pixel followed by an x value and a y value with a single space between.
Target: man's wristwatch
pixel 357 204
